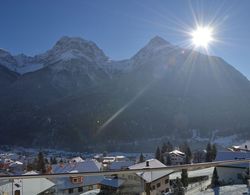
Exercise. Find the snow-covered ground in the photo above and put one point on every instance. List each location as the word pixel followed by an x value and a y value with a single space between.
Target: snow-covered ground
pixel 227 190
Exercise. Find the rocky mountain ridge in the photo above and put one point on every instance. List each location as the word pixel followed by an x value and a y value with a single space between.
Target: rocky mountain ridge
pixel 75 92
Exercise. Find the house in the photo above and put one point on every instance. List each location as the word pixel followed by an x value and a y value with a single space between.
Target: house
pixel 177 157
pixel 32 186
pixel 232 173
pixel 75 185
pixel 152 183
pixel 16 167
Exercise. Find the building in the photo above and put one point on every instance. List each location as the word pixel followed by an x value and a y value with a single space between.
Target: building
pixel 232 173
pixel 76 185
pixel 32 186
pixel 79 184
pixel 177 157
pixel 150 183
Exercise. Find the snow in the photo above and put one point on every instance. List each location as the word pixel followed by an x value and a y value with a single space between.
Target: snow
pixel 76 160
pixel 225 190
pixel 92 192
pixel 28 68
pixel 177 152
pixel 150 176
pixel 195 173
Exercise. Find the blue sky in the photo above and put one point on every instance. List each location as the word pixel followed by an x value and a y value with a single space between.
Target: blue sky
pixel 122 27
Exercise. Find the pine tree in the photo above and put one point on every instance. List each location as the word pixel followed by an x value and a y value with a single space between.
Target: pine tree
pixel 162 158
pixel 53 161
pixel 141 158
pixel 40 166
pixel 178 188
pixel 186 149
pixel 169 147
pixel 164 148
pixel 209 153
pixel 184 177
pixel 215 179
pixel 168 160
pixel 214 151
pixel 158 154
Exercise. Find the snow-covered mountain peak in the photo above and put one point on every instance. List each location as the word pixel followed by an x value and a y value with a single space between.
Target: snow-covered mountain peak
pixel 68 48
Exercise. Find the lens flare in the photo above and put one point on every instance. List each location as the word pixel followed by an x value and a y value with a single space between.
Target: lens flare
pixel 202 36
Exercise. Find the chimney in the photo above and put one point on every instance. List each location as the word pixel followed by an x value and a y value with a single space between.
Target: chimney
pixel 147 163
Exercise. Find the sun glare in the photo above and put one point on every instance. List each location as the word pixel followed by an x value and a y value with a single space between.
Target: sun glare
pixel 202 36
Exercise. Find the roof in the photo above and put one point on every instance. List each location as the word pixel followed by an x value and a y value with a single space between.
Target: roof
pixel 36 185
pixel 229 155
pixel 29 186
pixel 115 183
pixel 118 165
pixel 77 159
pixel 153 163
pixel 177 152
pixel 31 173
pixel 65 182
pixel 151 176
pixel 16 163
pixel 85 166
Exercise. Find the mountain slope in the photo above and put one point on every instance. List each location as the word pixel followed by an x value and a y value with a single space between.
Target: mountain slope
pixel 81 95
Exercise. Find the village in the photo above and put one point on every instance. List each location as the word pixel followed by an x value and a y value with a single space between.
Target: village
pixel 154 182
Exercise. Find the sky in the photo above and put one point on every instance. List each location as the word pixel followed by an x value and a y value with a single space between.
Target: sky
pixel 122 27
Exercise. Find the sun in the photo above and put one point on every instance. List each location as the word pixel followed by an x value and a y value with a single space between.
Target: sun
pixel 202 36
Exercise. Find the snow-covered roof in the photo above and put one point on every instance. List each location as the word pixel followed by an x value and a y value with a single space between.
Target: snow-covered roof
pixel 65 182
pixel 229 155
pixel 177 152
pixel 151 176
pixel 16 163
pixel 118 165
pixel 85 166
pixel 77 159
pixel 31 173
pixel 36 185
pixel 152 163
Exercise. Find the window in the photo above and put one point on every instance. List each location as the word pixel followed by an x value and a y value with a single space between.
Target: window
pixel 153 187
pixel 71 190
pixel 158 185
pixel 166 181
pixel 80 189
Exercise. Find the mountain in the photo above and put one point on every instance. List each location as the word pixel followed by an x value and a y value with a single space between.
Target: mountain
pixel 78 93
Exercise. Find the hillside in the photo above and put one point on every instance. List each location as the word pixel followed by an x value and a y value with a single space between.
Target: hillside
pixel 162 91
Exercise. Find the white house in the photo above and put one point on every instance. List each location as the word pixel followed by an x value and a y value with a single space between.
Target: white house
pixel 153 183
pixel 232 173
pixel 32 186
pixel 177 157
